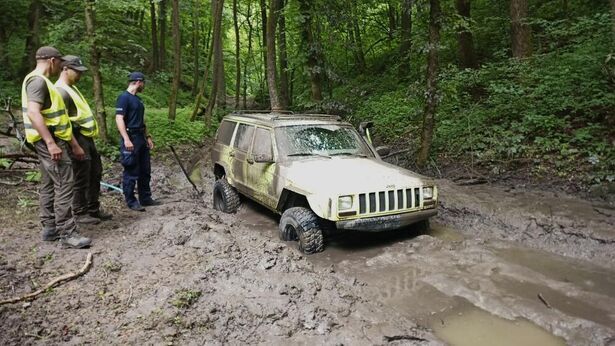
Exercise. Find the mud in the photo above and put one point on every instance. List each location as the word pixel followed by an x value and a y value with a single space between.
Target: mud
pixel 183 273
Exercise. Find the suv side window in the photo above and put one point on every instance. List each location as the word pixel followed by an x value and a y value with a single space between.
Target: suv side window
pixel 244 136
pixel 262 143
pixel 225 132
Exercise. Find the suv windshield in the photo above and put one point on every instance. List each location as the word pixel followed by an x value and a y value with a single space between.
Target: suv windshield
pixel 320 140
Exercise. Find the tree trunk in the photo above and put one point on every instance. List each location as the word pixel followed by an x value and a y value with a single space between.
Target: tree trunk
pixel 406 37
pixel 284 98
pixel 177 67
pixel 195 46
pixel 465 39
pixel 263 6
pixel 356 30
pixel 218 64
pixel 521 33
pixel 199 97
pixel 237 56
pixel 162 28
pixel 245 64
pixel 152 11
pixel 272 79
pixel 613 21
pixel 310 47
pixel 7 72
pixel 99 106
pixel 392 16
pixel 33 38
pixel 431 103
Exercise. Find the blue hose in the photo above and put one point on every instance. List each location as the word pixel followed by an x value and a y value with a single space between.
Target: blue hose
pixel 112 187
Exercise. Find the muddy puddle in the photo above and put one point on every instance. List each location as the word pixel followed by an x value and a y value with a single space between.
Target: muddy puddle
pixel 587 275
pixel 475 327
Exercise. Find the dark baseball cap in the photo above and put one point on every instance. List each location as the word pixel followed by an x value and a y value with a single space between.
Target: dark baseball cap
pixel 48 52
pixel 135 76
pixel 74 63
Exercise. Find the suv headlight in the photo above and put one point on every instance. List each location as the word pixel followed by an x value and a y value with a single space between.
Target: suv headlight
pixel 428 192
pixel 344 203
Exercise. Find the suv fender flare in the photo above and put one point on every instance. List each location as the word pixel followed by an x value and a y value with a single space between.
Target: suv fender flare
pixel 294 197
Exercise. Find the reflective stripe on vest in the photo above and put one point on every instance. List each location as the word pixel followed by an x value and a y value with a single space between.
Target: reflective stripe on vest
pixel 55 116
pixel 84 118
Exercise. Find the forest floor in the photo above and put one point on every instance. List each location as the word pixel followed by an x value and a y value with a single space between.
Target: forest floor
pixel 517 265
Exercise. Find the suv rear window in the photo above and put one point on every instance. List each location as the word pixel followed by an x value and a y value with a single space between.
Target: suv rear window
pixel 244 136
pixel 225 132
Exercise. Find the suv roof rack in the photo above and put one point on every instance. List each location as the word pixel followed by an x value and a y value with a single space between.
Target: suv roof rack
pixel 262 111
pixel 307 116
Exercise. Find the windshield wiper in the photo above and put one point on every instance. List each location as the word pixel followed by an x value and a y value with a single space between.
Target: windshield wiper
pixel 349 154
pixel 309 154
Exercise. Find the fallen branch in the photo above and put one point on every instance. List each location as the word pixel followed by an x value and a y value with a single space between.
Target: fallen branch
pixel 184 170
pixel 52 283
pixel 544 301
pixel 16 156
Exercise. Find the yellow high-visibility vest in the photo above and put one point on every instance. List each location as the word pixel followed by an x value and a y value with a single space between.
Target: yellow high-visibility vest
pixel 85 117
pixel 55 117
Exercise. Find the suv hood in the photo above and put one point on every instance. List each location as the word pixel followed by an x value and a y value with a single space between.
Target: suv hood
pixel 347 175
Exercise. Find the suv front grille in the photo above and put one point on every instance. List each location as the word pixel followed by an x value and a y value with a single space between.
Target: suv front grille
pixel 389 200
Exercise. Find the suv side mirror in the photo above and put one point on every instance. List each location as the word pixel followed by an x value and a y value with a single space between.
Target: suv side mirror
pixel 263 158
pixel 383 150
pixel 364 126
pixel 364 130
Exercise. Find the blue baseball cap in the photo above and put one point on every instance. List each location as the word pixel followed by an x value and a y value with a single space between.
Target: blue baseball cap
pixel 135 76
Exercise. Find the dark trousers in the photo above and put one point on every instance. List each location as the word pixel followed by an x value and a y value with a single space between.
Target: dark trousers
pixel 138 172
pixel 56 191
pixel 88 173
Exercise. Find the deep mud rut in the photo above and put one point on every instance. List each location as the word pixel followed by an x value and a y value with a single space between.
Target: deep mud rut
pixel 497 267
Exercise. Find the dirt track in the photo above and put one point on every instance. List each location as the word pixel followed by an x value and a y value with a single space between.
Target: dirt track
pixel 183 273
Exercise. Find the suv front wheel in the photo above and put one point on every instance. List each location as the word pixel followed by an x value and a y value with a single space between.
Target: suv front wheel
pixel 302 223
pixel 226 198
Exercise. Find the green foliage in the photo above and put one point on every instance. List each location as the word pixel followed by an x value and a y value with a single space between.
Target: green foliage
pixel 5 163
pixel 33 176
pixel 184 298
pixel 551 110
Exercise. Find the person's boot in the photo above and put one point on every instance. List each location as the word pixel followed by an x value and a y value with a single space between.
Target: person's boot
pixel 100 214
pixel 86 219
pixel 50 234
pixel 151 202
pixel 75 241
pixel 136 207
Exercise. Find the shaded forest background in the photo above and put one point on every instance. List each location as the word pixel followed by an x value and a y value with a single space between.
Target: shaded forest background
pixel 491 87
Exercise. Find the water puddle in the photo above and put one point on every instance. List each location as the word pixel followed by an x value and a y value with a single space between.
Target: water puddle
pixel 475 327
pixel 583 274
pixel 444 233
pixel 557 300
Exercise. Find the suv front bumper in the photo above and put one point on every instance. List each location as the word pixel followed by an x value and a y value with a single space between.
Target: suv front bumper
pixel 387 222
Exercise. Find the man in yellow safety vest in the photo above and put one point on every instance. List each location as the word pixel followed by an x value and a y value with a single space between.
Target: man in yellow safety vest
pixel 88 172
pixel 48 128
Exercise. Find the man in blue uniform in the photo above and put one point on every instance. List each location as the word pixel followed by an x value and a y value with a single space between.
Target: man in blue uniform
pixel 135 144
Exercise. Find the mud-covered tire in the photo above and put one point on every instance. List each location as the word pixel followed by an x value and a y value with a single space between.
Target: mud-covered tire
pixel 226 198
pixel 302 224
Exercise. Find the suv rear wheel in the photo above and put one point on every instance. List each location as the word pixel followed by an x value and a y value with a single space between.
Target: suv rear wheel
pixel 302 223
pixel 226 198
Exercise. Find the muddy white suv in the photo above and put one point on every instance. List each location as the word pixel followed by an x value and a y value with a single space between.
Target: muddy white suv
pixel 316 171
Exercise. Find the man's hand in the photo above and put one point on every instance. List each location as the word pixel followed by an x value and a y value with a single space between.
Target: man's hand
pixel 150 143
pixel 54 151
pixel 78 152
pixel 128 145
